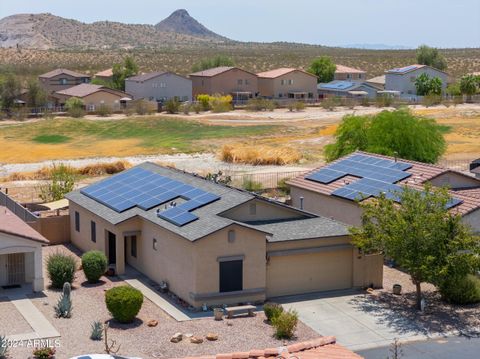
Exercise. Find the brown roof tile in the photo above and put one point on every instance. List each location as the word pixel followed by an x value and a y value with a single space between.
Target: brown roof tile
pixel 83 90
pixel 280 72
pixel 13 225
pixel 57 72
pixel 347 70
pixel 105 73
pixel 212 72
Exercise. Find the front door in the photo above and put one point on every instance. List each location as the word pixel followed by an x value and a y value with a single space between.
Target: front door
pixel 231 276
pixel 15 268
pixel 112 248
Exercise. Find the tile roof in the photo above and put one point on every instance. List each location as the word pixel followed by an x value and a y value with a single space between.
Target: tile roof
pixel 377 80
pixel 319 348
pixel 105 73
pixel 340 85
pixel 347 70
pixel 213 72
pixel 13 225
pixel 405 69
pixel 211 217
pixel 83 90
pixel 421 173
pixel 56 72
pixel 280 72
pixel 146 77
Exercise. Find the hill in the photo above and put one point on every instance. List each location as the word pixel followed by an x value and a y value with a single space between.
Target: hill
pixel 47 31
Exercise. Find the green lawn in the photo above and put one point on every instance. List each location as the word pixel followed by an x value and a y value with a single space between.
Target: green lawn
pixel 52 139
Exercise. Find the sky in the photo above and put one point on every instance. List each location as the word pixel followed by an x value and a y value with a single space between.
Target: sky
pixel 440 23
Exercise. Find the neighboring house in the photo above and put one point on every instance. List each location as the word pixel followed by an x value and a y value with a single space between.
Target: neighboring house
pixel 212 243
pixel 94 96
pixel 332 190
pixel 403 79
pixel 159 86
pixel 475 168
pixel 287 83
pixel 345 73
pixel 239 83
pixel 61 79
pixel 105 75
pixel 20 252
pixel 346 89
pixel 377 82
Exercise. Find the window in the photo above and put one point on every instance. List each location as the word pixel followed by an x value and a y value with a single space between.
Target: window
pixel 63 81
pixel 154 244
pixel 348 76
pixel 93 231
pixel 239 82
pixel 290 82
pixel 163 84
pixel 359 76
pixel 231 276
pixel 77 221
pixel 282 82
pixel 253 208
pixel 91 107
pixel 246 82
pixel 133 246
pixel 231 236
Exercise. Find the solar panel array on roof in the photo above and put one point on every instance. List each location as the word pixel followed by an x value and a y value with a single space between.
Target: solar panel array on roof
pixel 146 190
pixel 338 85
pixel 377 176
pixel 403 69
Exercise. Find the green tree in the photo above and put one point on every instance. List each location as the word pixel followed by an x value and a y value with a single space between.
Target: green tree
pixel 427 85
pixel 468 86
pixel 324 68
pixel 10 90
pixel 422 236
pixel 62 181
pixel 390 133
pixel 210 63
pixel 35 94
pixel 430 56
pixel 122 71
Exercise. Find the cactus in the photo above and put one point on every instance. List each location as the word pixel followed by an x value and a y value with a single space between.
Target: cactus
pixel 97 331
pixel 64 306
pixel 3 347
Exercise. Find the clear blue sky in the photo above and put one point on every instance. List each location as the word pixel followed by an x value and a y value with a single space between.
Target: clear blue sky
pixel 441 23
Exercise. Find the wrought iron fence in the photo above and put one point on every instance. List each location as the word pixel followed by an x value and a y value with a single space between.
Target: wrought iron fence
pixel 17 208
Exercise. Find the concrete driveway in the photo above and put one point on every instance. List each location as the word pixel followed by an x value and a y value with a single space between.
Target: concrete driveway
pixel 352 319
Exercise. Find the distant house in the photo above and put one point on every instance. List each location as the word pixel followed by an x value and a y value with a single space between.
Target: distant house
pixel 20 252
pixel 93 96
pixel 377 82
pixel 289 83
pixel 402 79
pixel 346 89
pixel 239 83
pixel 105 75
pixel 61 79
pixel 159 86
pixel 345 73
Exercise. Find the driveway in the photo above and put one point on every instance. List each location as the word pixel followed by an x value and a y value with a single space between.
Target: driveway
pixel 353 319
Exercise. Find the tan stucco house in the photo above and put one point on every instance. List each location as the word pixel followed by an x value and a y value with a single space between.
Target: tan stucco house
pixel 345 73
pixel 20 252
pixel 287 83
pixel 224 80
pixel 61 79
pixel 333 190
pixel 212 243
pixel 94 96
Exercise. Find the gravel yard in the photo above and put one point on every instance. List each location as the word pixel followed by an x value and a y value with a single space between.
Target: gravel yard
pixel 11 318
pixel 137 339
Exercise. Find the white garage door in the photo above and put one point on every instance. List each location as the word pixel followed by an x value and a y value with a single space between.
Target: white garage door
pixel 312 272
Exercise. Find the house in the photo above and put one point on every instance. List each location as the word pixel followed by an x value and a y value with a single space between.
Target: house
pixel 20 252
pixel 475 167
pixel 287 83
pixel 159 86
pixel 346 89
pixel 224 80
pixel 345 73
pixel 377 82
pixel 212 243
pixel 403 79
pixel 94 96
pixel 105 75
pixel 61 79
pixel 332 190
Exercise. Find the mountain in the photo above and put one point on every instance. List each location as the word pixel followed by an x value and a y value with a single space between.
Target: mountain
pixel 47 31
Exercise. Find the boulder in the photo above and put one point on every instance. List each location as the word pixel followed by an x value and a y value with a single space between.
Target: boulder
pixel 212 337
pixel 196 340
pixel 152 323
pixel 176 337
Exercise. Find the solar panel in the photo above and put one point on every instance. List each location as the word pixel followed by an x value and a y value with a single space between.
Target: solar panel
pixel 146 190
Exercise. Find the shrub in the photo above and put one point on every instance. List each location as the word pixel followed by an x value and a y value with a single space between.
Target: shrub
pixel 365 101
pixel 329 103
pixel 197 107
pixel 185 108
pixel 291 106
pixel 384 101
pixel 104 110
pixel 431 100
pixel 299 105
pixel 272 310
pixel 283 186
pixel 61 269
pixel 44 353
pixel 94 264
pixel 3 347
pixel 75 107
pixel 97 331
pixel 221 103
pixel 100 169
pixel 204 101
pixel 285 324
pixel 251 186
pixel 124 303
pixel 260 104
pixel 64 307
pixel 172 106
pixel 461 291
pixel 62 181
pixel 76 112
pixel 143 107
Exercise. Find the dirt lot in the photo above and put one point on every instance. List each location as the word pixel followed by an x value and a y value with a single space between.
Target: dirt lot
pixel 137 339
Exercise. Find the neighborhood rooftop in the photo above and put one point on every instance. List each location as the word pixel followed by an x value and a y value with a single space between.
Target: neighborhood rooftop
pixel 83 90
pixel 405 69
pixel 348 70
pixel 212 72
pixel 271 74
pixel 57 72
pixel 13 225
pixel 147 76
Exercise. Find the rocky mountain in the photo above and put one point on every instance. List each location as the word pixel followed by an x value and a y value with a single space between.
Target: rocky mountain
pixel 47 31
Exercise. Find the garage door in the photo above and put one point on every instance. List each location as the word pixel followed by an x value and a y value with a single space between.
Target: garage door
pixel 312 272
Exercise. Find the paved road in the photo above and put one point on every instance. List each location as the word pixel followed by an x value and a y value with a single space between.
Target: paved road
pixel 445 348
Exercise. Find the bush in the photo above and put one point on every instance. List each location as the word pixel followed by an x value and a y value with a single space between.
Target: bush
pixel 61 269
pixel 283 186
pixel 431 100
pixel 285 324
pixel 260 104
pixel 75 107
pixel 185 108
pixel 62 181
pixel 197 107
pixel 76 112
pixel 299 105
pixel 221 103
pixel 329 103
pixel 251 186
pixel 44 353
pixel 461 291
pixel 384 101
pixel 204 101
pixel 124 303
pixel 104 110
pixel 272 310
pixel 143 107
pixel 94 264
pixel 172 106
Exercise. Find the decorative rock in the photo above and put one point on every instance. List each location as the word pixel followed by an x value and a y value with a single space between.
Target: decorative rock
pixel 229 323
pixel 212 337
pixel 188 335
pixel 196 340
pixel 152 323
pixel 176 338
